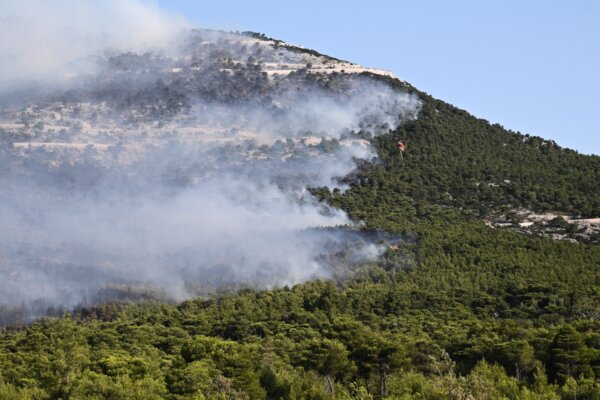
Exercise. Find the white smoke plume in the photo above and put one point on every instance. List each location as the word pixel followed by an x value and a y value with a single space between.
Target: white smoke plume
pixel 172 159
pixel 50 42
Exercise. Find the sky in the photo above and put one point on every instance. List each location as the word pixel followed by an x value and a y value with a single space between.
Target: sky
pixel 532 66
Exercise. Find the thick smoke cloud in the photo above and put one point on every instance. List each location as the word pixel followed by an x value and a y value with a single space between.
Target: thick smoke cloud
pixel 180 170
pixel 50 42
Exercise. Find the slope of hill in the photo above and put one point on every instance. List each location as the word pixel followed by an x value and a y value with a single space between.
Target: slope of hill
pixel 459 161
pixel 452 308
pixel 183 170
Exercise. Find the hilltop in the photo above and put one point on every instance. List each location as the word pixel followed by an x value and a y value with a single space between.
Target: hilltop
pixel 252 231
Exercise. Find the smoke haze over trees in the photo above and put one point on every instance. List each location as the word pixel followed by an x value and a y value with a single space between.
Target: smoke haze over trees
pixel 178 165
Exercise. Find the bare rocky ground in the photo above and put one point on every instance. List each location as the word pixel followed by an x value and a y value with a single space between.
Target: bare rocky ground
pixel 554 225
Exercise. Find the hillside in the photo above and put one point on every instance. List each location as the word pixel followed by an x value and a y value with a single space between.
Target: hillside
pixel 461 299
pixel 456 160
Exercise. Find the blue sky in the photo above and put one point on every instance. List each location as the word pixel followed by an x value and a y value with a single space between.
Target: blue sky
pixel 531 65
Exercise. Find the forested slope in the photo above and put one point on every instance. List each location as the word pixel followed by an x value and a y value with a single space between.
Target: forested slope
pixel 458 310
pixel 455 159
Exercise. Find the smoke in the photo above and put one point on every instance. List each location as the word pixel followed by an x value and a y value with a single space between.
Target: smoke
pixel 179 169
pixel 50 42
